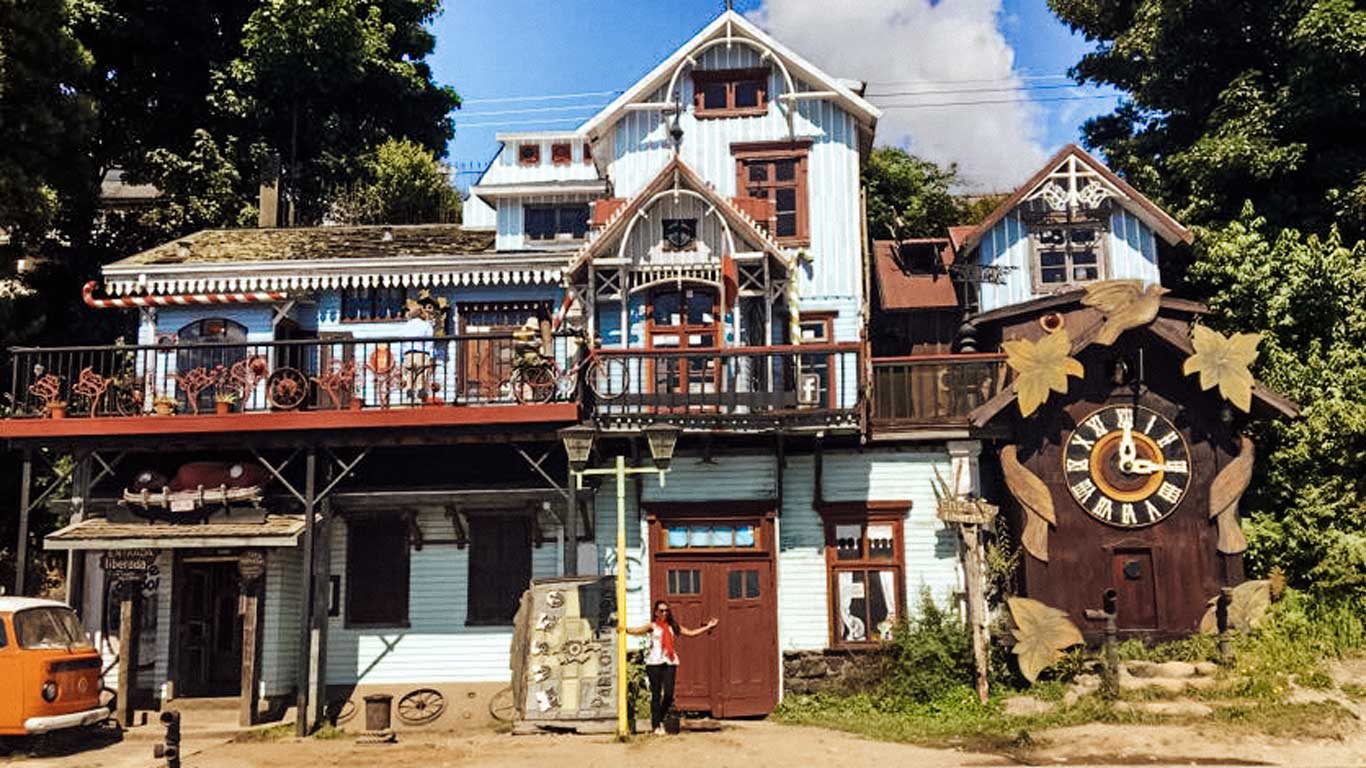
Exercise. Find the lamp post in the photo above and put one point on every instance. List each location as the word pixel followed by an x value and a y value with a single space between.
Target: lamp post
pixel 578 443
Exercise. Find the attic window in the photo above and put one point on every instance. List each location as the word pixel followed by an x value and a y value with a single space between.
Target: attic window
pixel 587 153
pixel 730 92
pixel 529 154
pixel 561 154
pixel 1067 255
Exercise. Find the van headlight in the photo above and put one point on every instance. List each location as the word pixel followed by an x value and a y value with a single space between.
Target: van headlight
pixel 49 691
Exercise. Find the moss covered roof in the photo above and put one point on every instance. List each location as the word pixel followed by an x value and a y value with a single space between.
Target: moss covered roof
pixel 221 246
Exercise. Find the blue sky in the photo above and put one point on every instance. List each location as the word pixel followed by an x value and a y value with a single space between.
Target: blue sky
pixel 917 52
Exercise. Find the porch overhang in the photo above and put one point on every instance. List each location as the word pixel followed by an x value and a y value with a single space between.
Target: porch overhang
pixel 101 534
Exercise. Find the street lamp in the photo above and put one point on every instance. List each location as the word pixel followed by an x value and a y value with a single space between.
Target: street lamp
pixel 578 444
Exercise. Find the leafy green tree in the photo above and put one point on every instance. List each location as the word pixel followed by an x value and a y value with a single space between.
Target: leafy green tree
pixel 1307 509
pixel 909 197
pixel 404 184
pixel 44 120
pixel 1231 101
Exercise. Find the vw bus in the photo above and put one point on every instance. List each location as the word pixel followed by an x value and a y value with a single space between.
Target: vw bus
pixel 49 669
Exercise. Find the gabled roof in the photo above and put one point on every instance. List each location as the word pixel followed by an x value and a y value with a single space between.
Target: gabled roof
pixel 734 25
pixel 1147 211
pixel 899 289
pixel 677 173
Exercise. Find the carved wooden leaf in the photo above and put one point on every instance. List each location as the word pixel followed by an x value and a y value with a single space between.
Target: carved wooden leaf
pixel 1224 361
pixel 1246 612
pixel 1034 496
pixel 1126 304
pixel 1041 368
pixel 1041 634
pixel 1225 492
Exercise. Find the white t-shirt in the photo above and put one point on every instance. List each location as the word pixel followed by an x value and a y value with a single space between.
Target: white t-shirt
pixel 654 654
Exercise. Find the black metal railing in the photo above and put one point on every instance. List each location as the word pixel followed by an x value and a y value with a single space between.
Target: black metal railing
pixel 307 374
pixel 934 389
pixel 820 381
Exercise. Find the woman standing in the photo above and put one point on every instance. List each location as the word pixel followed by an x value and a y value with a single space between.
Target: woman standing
pixel 661 659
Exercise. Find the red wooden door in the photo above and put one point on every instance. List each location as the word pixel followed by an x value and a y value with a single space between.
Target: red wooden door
pixel 688 588
pixel 1132 577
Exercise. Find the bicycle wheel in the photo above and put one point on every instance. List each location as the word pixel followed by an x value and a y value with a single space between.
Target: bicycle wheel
pixel 533 384
pixel 608 377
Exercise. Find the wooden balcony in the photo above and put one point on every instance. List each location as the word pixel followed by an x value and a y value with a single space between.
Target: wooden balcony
pixel 178 389
pixel 735 389
pixel 923 393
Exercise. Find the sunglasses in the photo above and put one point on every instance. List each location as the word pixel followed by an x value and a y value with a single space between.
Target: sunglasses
pixel 662 610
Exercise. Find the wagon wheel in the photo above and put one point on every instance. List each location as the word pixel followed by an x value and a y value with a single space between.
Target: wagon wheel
pixel 340 711
pixel 421 706
pixel 534 384
pixel 503 706
pixel 287 388
pixel 126 398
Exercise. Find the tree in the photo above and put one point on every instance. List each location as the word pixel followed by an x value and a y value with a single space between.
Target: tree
pixel 1227 102
pixel 44 120
pixel 909 197
pixel 404 184
pixel 1307 509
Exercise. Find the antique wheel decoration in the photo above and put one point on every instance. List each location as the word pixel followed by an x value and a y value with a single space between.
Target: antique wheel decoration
pixel 1127 466
pixel 421 706
pixel 286 388
pixel 503 706
pixel 341 711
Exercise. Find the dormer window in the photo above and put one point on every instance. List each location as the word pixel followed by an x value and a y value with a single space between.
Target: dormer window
pixel 680 234
pixel 561 154
pixel 1067 254
pixel 529 154
pixel 730 92
pixel 556 222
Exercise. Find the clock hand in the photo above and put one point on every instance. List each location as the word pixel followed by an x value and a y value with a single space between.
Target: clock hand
pixel 1128 452
pixel 1145 467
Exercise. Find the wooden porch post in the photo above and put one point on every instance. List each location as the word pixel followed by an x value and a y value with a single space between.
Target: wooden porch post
pixel 304 684
pixel 75 559
pixel 130 630
pixel 251 568
pixel 21 564
pixel 322 560
pixel 571 529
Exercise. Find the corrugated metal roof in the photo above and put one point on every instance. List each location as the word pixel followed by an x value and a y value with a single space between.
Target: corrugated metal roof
pixel 902 289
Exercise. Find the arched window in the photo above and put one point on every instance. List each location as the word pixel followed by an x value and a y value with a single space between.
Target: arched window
pixel 215 331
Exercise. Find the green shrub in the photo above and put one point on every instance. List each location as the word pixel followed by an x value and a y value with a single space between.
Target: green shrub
pixel 930 654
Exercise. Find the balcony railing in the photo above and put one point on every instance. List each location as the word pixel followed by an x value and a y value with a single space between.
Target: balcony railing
pixel 934 390
pixel 310 374
pixel 817 384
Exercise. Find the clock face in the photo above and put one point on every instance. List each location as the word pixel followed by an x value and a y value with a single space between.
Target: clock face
pixel 1127 465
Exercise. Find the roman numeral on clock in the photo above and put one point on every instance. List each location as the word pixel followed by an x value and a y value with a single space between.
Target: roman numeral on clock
pixel 1167 439
pixel 1124 418
pixel 1126 515
pixel 1169 492
pixel 1104 509
pixel 1078 465
pixel 1084 490
pixel 1097 426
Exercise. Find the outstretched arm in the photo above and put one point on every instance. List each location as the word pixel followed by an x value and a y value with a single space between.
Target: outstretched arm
pixel 643 629
pixel 700 630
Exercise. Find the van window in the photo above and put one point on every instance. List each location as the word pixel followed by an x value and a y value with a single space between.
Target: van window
pixel 48 628
pixel 3 639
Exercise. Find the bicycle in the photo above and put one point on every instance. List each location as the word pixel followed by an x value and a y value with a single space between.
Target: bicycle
pixel 538 379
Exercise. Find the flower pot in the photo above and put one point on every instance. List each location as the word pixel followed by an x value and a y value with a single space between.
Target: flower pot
pixel 222 408
pixel 163 409
pixel 356 403
pixel 57 410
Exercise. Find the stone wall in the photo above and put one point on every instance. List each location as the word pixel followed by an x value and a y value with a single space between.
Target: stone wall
pixel 846 671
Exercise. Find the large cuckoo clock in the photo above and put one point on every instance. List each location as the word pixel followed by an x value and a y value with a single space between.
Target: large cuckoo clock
pixel 1121 470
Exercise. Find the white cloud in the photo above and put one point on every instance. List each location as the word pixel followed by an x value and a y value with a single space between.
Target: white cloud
pixel 916 45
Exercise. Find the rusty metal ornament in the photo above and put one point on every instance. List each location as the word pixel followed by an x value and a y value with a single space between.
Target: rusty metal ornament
pixel 1126 304
pixel 1041 633
pixel 287 388
pixel 1034 496
pixel 1041 368
pixel 422 706
pixel 91 386
pixel 1224 494
pixel 1224 362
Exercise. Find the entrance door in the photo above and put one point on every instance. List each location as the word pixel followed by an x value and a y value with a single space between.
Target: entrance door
pixel 209 630
pixel 1131 574
pixel 725 571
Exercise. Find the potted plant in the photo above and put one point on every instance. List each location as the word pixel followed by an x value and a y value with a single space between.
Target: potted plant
pixel 223 401
pixel 48 388
pixel 57 409
pixel 164 405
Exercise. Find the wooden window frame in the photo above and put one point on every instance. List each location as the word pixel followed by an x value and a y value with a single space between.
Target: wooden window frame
pixel 660 515
pixel 561 153
pixel 730 77
pixel 750 153
pixel 372 317
pixel 827 319
pixel 892 513
pixel 529 154
pixel 1102 249
pixel 685 330
pixel 559 209
pixel 353 557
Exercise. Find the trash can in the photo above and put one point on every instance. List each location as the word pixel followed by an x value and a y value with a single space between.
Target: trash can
pixel 377 712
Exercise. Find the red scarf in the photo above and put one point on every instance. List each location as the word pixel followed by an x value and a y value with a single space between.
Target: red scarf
pixel 666 642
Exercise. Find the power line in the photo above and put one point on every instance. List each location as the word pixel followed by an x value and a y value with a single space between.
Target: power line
pixel 952 91
pixel 503 123
pixel 548 97
pixel 993 101
pixel 535 110
pixel 1007 78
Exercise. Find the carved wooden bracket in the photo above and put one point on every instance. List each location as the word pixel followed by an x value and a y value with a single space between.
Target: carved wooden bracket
pixel 1225 492
pixel 1036 500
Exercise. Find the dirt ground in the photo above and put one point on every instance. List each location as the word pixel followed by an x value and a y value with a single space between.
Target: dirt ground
pixel 740 744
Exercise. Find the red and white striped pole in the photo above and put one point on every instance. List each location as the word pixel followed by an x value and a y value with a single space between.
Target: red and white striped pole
pixel 179 300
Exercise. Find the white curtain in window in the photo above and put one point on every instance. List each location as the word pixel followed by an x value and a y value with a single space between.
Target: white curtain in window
pixel 854 630
pixel 888 579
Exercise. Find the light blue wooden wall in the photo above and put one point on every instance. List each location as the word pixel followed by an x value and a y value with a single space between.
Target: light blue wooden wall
pixel 1132 255
pixel 283 610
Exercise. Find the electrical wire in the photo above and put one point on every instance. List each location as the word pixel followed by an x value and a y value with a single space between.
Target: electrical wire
pixel 506 123
pixel 549 97
pixel 954 91
pixel 993 101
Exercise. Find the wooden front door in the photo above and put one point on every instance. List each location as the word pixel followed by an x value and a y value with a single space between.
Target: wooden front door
pixel 1132 578
pixel 209 629
pixel 723 570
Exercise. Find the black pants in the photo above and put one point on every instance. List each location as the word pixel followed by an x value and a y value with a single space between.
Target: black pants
pixel 661 691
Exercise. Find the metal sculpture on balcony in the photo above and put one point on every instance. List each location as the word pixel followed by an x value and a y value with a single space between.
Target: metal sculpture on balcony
pixel 92 387
pixel 192 382
pixel 48 388
pixel 338 380
pixel 287 388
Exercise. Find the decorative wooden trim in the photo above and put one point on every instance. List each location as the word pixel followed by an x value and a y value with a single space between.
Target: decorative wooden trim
pixel 769 148
pixel 529 154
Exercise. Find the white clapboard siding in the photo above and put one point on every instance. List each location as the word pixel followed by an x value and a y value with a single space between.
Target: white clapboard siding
pixel 437 646
pixel 283 610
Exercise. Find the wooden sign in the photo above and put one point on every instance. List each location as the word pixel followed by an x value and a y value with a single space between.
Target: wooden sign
pixel 251 565
pixel 129 564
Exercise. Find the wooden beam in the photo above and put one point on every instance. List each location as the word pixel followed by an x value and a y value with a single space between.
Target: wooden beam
pixel 130 625
pixel 251 609
pixel 21 564
pixel 306 659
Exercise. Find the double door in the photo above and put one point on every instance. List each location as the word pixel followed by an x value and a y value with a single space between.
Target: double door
pixel 209 629
pixel 733 670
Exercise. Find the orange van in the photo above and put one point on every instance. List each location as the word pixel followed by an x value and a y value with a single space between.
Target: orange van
pixel 49 669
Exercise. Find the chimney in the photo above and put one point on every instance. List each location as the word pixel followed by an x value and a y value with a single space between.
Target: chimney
pixel 269 205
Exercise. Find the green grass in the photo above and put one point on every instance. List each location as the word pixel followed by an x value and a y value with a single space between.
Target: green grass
pixel 272 733
pixel 1320 720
